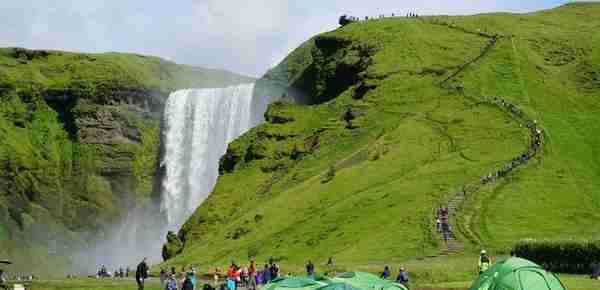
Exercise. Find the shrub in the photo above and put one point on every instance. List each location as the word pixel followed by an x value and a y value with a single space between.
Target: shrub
pixel 567 256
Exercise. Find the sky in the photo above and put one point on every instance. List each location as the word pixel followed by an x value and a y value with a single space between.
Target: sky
pixel 243 36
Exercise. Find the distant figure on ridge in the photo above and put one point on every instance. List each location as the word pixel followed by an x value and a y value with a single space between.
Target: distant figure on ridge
pixel 141 274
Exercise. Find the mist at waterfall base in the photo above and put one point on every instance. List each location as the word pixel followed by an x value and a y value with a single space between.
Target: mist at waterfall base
pixel 197 126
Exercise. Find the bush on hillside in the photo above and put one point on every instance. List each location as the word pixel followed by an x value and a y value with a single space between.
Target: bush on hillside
pixel 570 256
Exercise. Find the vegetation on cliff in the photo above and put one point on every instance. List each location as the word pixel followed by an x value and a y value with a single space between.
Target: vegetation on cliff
pixel 357 173
pixel 79 140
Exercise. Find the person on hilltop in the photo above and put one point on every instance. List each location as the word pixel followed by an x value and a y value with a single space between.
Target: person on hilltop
pixel 386 273
pixel 310 269
pixel 484 262
pixel 402 277
pixel 141 274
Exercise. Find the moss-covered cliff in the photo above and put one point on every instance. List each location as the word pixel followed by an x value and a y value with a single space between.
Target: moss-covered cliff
pixel 79 136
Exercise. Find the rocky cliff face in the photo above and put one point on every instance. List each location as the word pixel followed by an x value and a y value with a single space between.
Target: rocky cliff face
pixel 79 139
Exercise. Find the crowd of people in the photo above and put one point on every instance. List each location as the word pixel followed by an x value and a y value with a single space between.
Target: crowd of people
pixel 346 19
pixel 536 141
pixel 250 277
pixel 117 273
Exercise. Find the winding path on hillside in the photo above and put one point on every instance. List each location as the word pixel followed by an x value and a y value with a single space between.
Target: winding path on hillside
pixel 457 199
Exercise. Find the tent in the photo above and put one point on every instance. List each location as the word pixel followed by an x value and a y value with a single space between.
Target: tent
pixel 367 281
pixel 517 274
pixel 294 283
pixel 337 286
pixel 596 273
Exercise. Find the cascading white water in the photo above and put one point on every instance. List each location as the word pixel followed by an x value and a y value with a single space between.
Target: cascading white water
pixel 198 125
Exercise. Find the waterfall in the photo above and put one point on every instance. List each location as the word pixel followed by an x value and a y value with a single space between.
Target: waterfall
pixel 198 125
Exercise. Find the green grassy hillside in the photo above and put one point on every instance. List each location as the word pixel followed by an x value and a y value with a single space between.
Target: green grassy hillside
pixel 79 139
pixel 357 174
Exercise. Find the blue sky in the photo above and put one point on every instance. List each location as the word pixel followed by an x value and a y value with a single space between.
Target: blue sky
pixel 245 36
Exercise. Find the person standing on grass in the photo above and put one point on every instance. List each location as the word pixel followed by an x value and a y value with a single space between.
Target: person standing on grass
pixel 310 269
pixel 386 273
pixel 231 277
pixel 266 274
pixel 171 283
pixel 484 262
pixel 141 274
pixel 163 275
pixel 188 281
pixel 252 275
pixel 402 277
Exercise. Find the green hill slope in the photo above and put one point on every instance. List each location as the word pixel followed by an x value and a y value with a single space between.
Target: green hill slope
pixel 357 174
pixel 78 144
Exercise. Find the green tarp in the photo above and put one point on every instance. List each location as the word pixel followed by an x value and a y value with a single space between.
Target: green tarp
pixel 367 281
pixel 345 281
pixel 517 274
pixel 295 283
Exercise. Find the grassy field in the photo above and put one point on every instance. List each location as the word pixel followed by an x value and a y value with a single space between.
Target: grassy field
pixel 356 175
pixel 93 284
pixel 571 282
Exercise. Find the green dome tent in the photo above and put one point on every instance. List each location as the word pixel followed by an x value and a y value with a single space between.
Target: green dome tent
pixel 367 281
pixel 517 274
pixel 293 283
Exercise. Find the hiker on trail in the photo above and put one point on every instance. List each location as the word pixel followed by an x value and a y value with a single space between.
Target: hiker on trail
pixel 386 273
pixel 171 283
pixel 310 269
pixel 402 277
pixel 446 231
pixel 438 225
pixel 141 274
pixel 484 262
